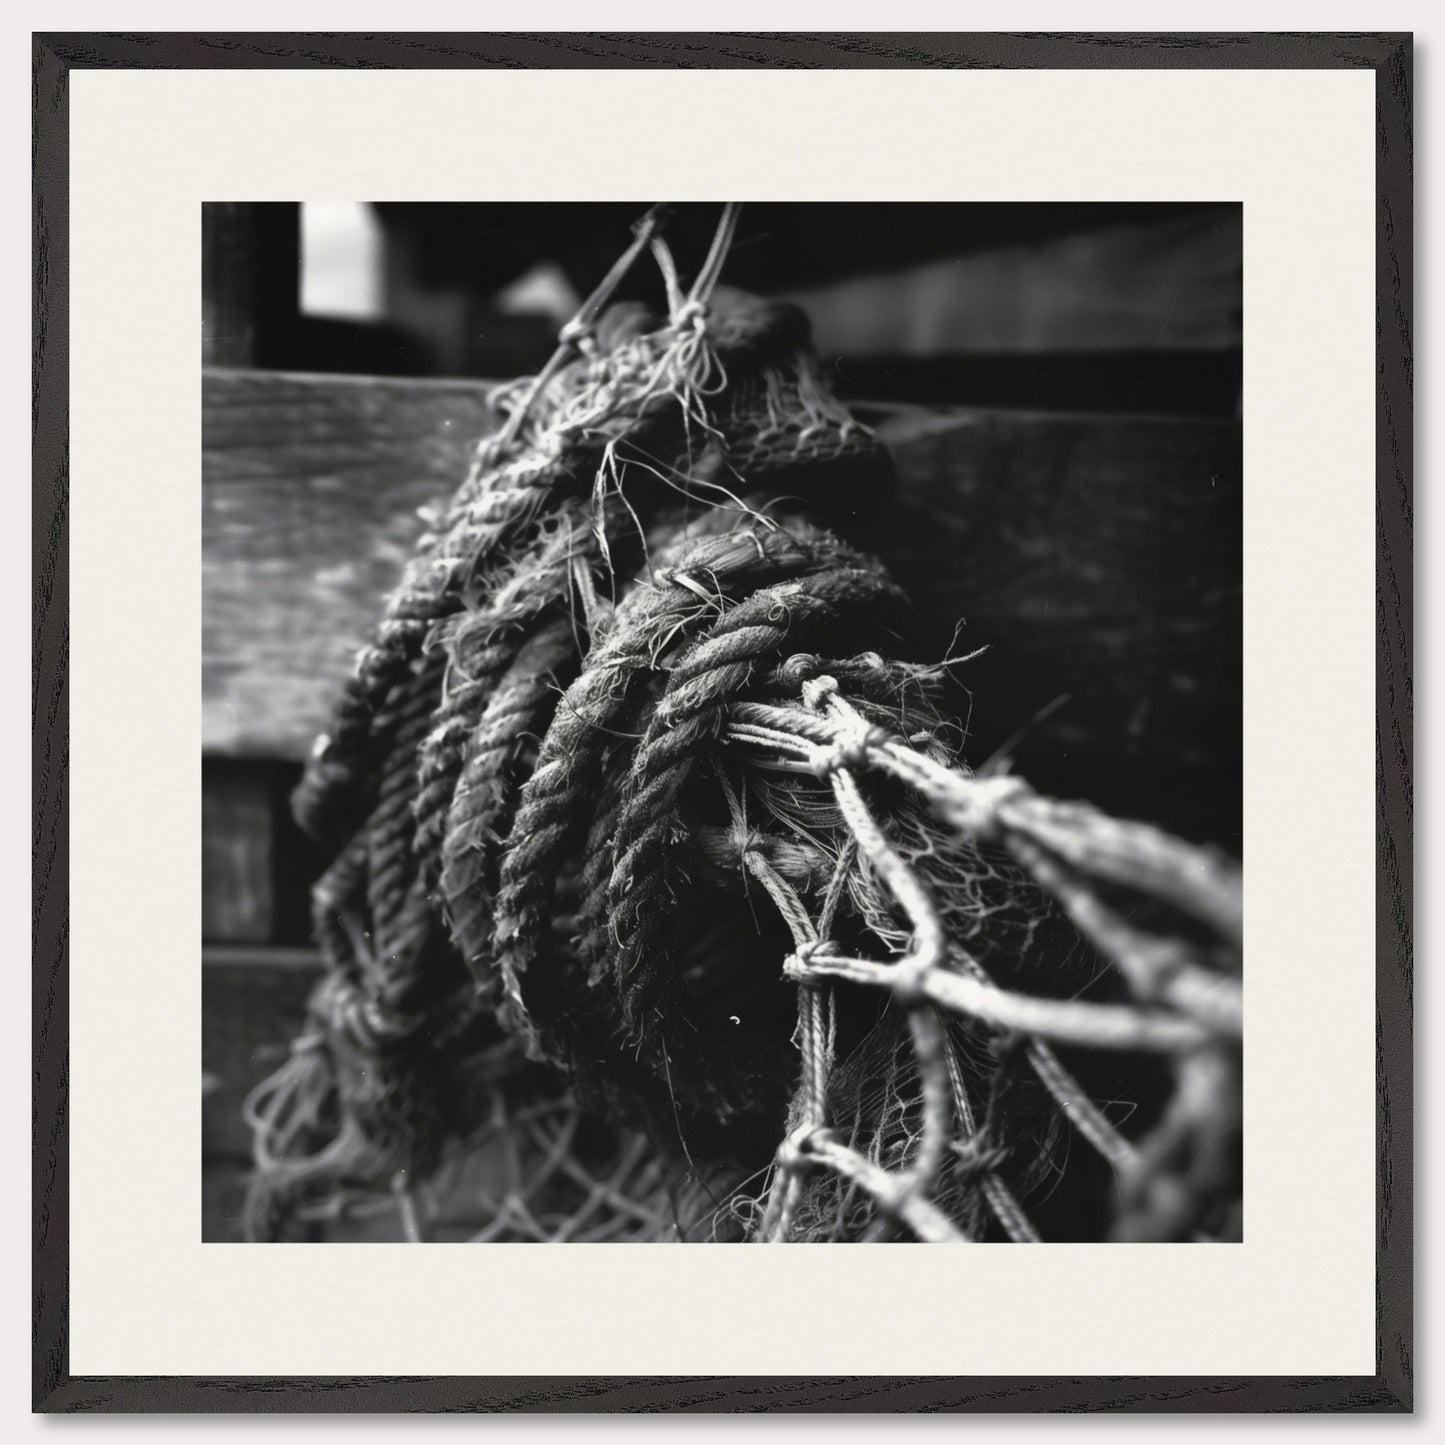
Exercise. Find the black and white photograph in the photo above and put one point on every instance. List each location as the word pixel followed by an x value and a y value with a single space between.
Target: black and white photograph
pixel 719 638
pixel 722 722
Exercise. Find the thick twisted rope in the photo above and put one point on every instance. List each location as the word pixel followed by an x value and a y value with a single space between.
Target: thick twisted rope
pixel 483 646
pixel 555 798
pixel 551 431
pixel 485 792
pixel 693 840
pixel 686 721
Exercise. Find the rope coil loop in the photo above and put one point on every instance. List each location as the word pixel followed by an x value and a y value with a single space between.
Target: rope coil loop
pixel 652 863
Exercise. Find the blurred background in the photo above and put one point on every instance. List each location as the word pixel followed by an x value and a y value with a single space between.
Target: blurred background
pixel 1124 308
pixel 1059 384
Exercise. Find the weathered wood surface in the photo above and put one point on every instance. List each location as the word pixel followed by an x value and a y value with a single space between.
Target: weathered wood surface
pixel 237 857
pixel 1099 561
pixel 1098 558
pixel 250 281
pixel 252 1005
pixel 1388 1388
pixel 310 488
pixel 1165 286
pixel 228 284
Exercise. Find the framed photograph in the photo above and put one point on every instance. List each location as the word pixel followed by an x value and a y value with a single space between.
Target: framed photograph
pixel 790 639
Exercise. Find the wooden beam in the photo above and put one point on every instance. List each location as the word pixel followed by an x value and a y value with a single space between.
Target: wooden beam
pixel 1099 561
pixel 253 1003
pixel 1097 557
pixel 237 856
pixel 310 489
pixel 250 281
pixel 228 284
pixel 1166 286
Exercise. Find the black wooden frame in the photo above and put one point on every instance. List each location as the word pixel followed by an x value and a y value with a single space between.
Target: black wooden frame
pixel 1390 1388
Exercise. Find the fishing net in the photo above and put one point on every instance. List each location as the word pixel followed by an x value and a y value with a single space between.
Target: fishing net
pixel 662 903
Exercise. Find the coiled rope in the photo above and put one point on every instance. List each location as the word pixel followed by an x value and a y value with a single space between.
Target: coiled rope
pixel 641 813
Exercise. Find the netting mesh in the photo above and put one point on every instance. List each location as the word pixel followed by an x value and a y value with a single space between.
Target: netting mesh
pixel 663 904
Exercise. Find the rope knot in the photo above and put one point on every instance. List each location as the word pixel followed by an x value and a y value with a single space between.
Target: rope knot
pixel 976 810
pixel 796 1151
pixel 851 750
pixel 691 313
pixel 577 332
pixel 977 1158
pixel 798 965
pixel 906 980
pixel 651 222
pixel 817 691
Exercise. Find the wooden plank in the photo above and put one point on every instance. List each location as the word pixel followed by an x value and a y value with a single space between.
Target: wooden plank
pixel 1168 286
pixel 1171 384
pixel 1097 557
pixel 223 1193
pixel 228 284
pixel 237 862
pixel 1099 561
pixel 310 490
pixel 250 281
pixel 252 1005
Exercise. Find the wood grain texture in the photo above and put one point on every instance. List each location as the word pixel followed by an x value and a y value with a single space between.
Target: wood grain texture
pixel 54 1389
pixel 250 281
pixel 1165 286
pixel 725 1394
pixel 237 855
pixel 684 50
pixel 1098 561
pixel 1097 558
pixel 310 492
pixel 228 284
pixel 50 728
pixel 1394 723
